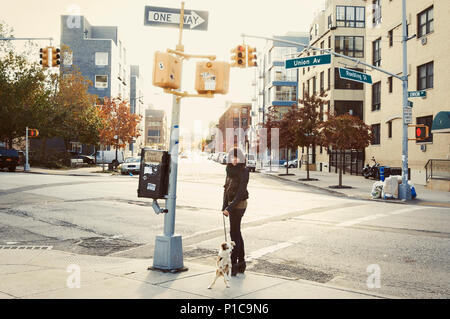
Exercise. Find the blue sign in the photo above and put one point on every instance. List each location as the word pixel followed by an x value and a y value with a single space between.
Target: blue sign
pixel 356 76
pixel 169 17
pixel 308 61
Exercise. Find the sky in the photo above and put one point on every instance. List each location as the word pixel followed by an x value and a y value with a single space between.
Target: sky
pixel 227 21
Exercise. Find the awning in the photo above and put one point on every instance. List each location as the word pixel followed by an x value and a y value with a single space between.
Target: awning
pixel 441 123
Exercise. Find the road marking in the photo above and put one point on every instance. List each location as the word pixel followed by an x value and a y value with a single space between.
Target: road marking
pixel 376 216
pixel 271 249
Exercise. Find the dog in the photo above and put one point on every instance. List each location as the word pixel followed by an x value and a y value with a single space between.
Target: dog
pixel 224 263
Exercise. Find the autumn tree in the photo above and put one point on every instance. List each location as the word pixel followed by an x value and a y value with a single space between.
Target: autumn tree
pixel 120 125
pixel 288 126
pixel 345 132
pixel 309 121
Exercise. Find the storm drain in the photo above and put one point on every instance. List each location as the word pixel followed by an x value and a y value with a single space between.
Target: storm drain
pixel 11 247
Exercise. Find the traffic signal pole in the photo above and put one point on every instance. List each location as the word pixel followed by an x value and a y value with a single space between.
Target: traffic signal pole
pixel 168 253
pixel 27 165
pixel 404 188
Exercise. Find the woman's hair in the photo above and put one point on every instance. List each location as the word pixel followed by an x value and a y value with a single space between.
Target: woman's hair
pixel 236 152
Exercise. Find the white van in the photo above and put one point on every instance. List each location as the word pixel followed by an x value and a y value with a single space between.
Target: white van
pixel 108 157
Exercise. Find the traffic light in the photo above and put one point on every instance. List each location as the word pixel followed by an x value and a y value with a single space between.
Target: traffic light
pixel 56 57
pixel 238 59
pixel 212 76
pixel 33 133
pixel 422 132
pixel 251 56
pixel 44 57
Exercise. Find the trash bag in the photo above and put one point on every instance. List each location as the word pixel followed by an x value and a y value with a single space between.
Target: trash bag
pixel 413 190
pixel 377 190
pixel 390 189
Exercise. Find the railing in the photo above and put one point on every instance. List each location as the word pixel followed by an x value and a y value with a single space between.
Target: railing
pixel 438 169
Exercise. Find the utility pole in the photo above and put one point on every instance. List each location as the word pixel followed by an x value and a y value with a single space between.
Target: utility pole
pixel 27 165
pixel 404 189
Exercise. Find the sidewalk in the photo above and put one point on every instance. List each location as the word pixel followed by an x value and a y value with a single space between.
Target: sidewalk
pixel 47 274
pixel 82 171
pixel 360 187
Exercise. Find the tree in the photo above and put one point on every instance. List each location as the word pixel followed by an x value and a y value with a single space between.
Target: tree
pixel 75 116
pixel 120 125
pixel 288 126
pixel 307 130
pixel 345 132
pixel 22 91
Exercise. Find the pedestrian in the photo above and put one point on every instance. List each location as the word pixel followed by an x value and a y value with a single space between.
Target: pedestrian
pixel 235 203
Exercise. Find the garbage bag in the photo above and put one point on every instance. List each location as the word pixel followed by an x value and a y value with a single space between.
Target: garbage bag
pixel 377 189
pixel 390 189
pixel 413 190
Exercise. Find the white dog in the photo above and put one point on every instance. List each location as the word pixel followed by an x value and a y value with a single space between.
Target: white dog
pixel 224 263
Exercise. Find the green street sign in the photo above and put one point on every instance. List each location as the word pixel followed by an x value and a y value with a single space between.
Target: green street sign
pixel 356 76
pixel 308 61
pixel 417 94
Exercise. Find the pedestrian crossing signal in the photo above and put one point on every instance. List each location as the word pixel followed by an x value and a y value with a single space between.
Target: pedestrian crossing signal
pixel 422 132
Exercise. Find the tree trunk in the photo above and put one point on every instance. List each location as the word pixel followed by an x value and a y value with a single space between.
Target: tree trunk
pixel 340 170
pixel 307 162
pixel 287 161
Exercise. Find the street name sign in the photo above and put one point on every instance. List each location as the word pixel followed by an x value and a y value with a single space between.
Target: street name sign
pixel 170 17
pixel 356 76
pixel 308 61
pixel 417 94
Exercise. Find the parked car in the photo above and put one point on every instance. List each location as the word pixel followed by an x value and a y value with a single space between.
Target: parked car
pixel 109 157
pixel 131 165
pixel 9 158
pixel 292 163
pixel 251 162
pixel 87 159
pixel 223 158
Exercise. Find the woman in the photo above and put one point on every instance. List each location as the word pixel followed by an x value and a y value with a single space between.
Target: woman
pixel 234 205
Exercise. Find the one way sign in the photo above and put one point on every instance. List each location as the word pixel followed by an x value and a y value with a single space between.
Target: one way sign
pixel 170 17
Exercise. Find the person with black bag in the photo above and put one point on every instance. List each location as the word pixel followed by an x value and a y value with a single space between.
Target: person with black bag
pixel 235 203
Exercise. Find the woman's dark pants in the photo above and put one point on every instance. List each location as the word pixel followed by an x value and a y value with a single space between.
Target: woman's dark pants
pixel 237 255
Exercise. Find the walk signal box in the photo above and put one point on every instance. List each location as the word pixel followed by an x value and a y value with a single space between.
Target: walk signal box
pixel 212 76
pixel 167 71
pixel 154 174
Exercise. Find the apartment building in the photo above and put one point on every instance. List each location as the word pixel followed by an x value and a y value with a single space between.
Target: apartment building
pixel 237 116
pixel 428 65
pixel 340 27
pixel 137 106
pixel 156 131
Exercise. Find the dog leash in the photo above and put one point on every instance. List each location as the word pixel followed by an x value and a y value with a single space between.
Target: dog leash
pixel 224 227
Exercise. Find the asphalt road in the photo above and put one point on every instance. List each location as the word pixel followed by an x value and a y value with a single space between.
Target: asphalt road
pixel 289 230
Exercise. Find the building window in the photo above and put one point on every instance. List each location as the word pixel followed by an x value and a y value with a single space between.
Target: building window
pixel 101 81
pixel 343 84
pixel 391 84
pixel 329 42
pixel 101 58
pixel 425 76
pixel 376 52
pixel 389 129
pixel 244 122
pixel 428 121
pixel 391 38
pixel 330 21
pixel 376 134
pixel 425 22
pixel 350 46
pixel 322 46
pixel 314 85
pixel 350 17
pixel 235 122
pixel 329 79
pixel 304 90
pixel 153 133
pixel 322 82
pixel 376 12
pixel 376 96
